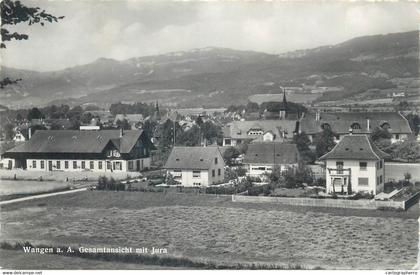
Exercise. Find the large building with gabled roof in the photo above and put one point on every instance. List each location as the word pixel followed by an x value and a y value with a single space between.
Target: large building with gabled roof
pixel 358 122
pixel 264 157
pixel 75 150
pixel 196 166
pixel 355 164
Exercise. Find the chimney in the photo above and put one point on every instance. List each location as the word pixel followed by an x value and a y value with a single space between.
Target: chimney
pixel 368 124
pixel 317 116
pixel 29 133
pixel 121 132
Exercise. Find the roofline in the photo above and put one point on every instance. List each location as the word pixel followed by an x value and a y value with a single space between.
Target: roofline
pixel 373 151
pixel 406 121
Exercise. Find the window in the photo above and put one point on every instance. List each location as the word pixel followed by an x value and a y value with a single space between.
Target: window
pixel 397 136
pixel 363 181
pixel 380 179
pixel 213 173
pixel 34 164
pixel 83 164
pixel 66 164
pixel 117 165
pixel 380 164
pixel 363 166
pixel 108 165
pixel 100 165
pixel 58 164
pixel 219 172
pixel 340 166
pixel 215 160
pixel 130 165
pixel 196 174
pixel 42 164
pixel 91 165
pixel 228 141
pixel 74 164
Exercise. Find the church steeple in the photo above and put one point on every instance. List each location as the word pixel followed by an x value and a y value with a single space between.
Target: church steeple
pixel 283 110
pixel 156 114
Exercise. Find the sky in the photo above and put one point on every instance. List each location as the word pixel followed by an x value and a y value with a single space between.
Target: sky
pixel 124 29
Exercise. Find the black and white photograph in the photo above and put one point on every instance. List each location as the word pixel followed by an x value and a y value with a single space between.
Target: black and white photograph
pixel 209 135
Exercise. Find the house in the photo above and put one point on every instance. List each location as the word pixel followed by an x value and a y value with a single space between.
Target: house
pixel 359 122
pixel 238 132
pixel 355 164
pixel 19 137
pixel 263 157
pixel 133 119
pixel 196 166
pixel 74 150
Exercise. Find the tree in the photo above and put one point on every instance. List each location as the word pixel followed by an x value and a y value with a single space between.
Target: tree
pixel 409 150
pixel 13 13
pixel 302 142
pixel 35 113
pixel 230 154
pixel 123 124
pixel 8 131
pixel 380 133
pixel 324 142
pixel 414 121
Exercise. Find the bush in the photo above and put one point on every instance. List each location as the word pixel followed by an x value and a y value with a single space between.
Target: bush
pixel 109 184
pixel 362 195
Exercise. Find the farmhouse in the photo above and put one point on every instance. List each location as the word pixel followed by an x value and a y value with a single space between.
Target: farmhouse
pixel 355 164
pixel 263 157
pixel 73 150
pixel 238 132
pixel 196 166
pixel 359 122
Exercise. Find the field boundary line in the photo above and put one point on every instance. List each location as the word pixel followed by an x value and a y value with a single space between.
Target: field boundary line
pixel 43 196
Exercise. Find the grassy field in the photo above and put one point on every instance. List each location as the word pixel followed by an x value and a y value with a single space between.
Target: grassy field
pixel 11 187
pixel 11 259
pixel 213 228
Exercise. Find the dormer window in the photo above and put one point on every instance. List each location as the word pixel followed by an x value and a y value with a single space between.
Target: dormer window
pixel 356 126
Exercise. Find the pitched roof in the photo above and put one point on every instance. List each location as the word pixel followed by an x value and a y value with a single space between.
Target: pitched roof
pixel 355 147
pixel 272 152
pixel 340 122
pixel 129 117
pixel 199 158
pixel 75 141
pixel 240 129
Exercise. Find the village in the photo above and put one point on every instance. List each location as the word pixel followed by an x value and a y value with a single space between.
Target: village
pixel 209 135
pixel 279 149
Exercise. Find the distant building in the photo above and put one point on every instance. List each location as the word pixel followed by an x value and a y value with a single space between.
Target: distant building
pixel 263 157
pixel 358 122
pixel 196 166
pixel 73 150
pixel 133 119
pixel 356 162
pixel 19 137
pixel 238 132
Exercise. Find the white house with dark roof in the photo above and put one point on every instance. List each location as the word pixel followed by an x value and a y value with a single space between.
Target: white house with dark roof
pixel 355 164
pixel 73 150
pixel 359 123
pixel 263 157
pixel 196 166
pixel 238 132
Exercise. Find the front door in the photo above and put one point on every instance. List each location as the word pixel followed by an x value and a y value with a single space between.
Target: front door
pixel 138 165
pixel 50 168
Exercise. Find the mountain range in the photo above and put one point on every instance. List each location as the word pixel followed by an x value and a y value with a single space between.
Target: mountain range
pixel 219 76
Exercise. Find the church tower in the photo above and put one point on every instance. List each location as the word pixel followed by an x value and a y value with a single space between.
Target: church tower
pixel 156 114
pixel 283 110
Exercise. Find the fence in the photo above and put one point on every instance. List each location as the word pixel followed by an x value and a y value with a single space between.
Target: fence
pixel 337 203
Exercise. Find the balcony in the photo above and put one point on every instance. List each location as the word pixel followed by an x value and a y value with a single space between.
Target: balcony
pixel 342 172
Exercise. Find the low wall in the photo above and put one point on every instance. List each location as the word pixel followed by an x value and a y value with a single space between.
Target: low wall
pixel 337 203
